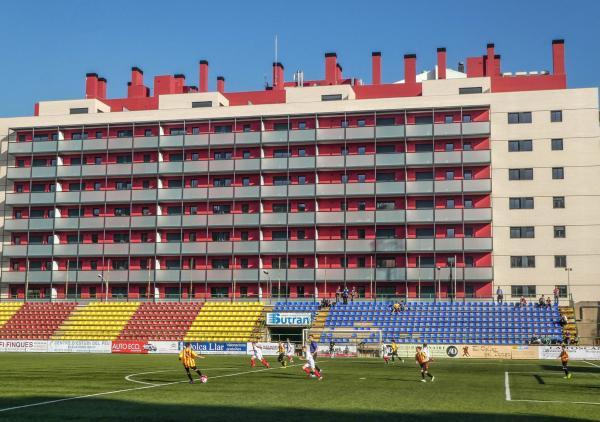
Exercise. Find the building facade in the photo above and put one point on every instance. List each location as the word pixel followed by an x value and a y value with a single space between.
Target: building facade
pixel 446 184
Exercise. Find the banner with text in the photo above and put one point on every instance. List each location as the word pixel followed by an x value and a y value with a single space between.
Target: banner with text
pixel 77 346
pixel 130 347
pixel 268 349
pixel 217 348
pixel 163 347
pixel 23 346
pixel 289 319
pixel 575 352
pixel 343 351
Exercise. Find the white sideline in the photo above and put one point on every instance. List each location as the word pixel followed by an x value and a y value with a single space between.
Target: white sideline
pixel 506 387
pixel 130 379
pixel 145 387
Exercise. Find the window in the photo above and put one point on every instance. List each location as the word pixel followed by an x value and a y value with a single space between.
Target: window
pixel 449 147
pixel 301 152
pixel 301 125
pixel 385 121
pixel 423 147
pixel 220 236
pixel 385 205
pixel 556 144
pixel 93 265
pixel 96 212
pixel 560 261
pixel 173 264
pixel 245 208
pixel 122 212
pixel 247 128
pixel 558 173
pixel 120 264
pixel 39 162
pixel 343 234
pixel 520 203
pixel 223 129
pixel 300 262
pixel 423 120
pixel 221 182
pixel 244 236
pixel 520 117
pixel 468 203
pixel 280 208
pixel 301 234
pixel 560 232
pixel 343 206
pixel 344 262
pixel 448 118
pixel 145 184
pixel 344 178
pixel 124 159
pixel 121 238
pixel 423 175
pixel 361 150
pixel 175 210
pixel 198 104
pixel 98 135
pixel 467 118
pixel 331 97
pixel 386 177
pixel 144 237
pixel 386 262
pixel 37 214
pixel 281 126
pixel 361 262
pixel 176 157
pixel 194 183
pixel 72 238
pixel 301 207
pixel 343 123
pixel 526 261
pixel 222 155
pixel 301 180
pixel 524 232
pixel 221 209
pixel 195 156
pixel 558 202
pixel 245 181
pixel 424 204
pixel 97 160
pixel 97 186
pixel 361 233
pixel 78 110
pixel 281 180
pixel 522 145
pixel 470 90
pixel 173 237
pixel 74 212
pixel 244 263
pixel 450 232
pixel 123 185
pixel 279 235
pixel 361 178
pixel 468 231
pixel 424 233
pixel 449 174
pixel 527 291
pixel 177 131
pixel 76 186
pixel 124 134
pixel 387 233
pixel 148 132
pixel 520 174
pixel 467 146
pixel 94 237
pixel 385 149
pixel 246 154
pixel 556 116
pixel 362 205
pixel 425 262
pixel 360 123
pixel 279 263
pixel 562 290
pixel 75 161
pixel 450 203
pixel 344 151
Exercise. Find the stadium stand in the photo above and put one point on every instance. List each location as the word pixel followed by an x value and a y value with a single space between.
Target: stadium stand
pixel 36 321
pixel 97 321
pixel 222 321
pixel 443 323
pixel 161 321
pixel 302 306
pixel 7 311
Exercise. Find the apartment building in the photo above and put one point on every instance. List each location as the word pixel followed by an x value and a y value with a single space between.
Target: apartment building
pixel 449 183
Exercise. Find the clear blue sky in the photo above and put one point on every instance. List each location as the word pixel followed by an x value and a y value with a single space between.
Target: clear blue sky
pixel 48 46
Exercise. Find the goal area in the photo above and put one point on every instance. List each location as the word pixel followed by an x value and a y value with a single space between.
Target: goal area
pixel 357 342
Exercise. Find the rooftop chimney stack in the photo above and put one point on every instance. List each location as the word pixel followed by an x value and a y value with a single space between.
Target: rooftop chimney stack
pixel 91 85
pixel 278 77
pixel 489 61
pixel 137 76
pixel 441 63
pixel 203 79
pixel 376 67
pixel 136 87
pixel 338 73
pixel 330 68
pixel 220 84
pixel 558 57
pixel 410 68
pixel 101 87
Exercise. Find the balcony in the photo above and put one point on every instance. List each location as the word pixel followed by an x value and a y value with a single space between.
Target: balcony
pixel 251 164
pixel 17 198
pixel 246 247
pixel 173 276
pixel 333 134
pixel 193 220
pixel 302 163
pixel 360 161
pixel 419 216
pixel 419 187
pixel 166 167
pixel 333 189
pixel 448 186
pixel 301 246
pixel 275 164
pixel 477 157
pixel 476 128
pixel 273 246
pixel 115 144
pixel 12 224
pixel 477 185
pixel 195 194
pixel 301 274
pixel 301 191
pixel 448 215
pixel 360 274
pixel 390 216
pixel 44 224
pixel 302 135
pixel 39 276
pixel 390 188
pixel 191 167
pixel 360 132
pixel 359 217
pixel 419 131
pixel 142 249
pixel 116 249
pixel 220 220
pixel 477 214
pixel 70 146
pixel 18 173
pixel 168 248
pixel 116 196
pixel 414 245
pixel 195 141
pixel 478 244
pixel 301 218
pixel 383 132
pixel 221 166
pixel 246 220
pixel 274 136
pixel 39 250
pixel 219 248
pixel 223 276
pixel 274 219
pixel 91 249
pixel 277 192
pixel 478 273
pixel 64 276
pixel 446 129
pixel 390 245
pixel 220 193
pixel 20 148
pixel 47 198
pixel 419 159
pixel 329 246
pixel 245 275
pixel 91 170
pixel 247 138
pixel 247 192
pixel 168 221
pixel 66 250
pixel 447 157
pixel 85 223
pixel 360 189
pixel 390 160
pixel 220 139
pixel 91 145
pixel 166 194
pixel 325 162
pixel 330 274
pixel 330 217
pixel 10 251
pixel 45 147
pixel 145 142
pixel 448 245
pixel 117 222
pixel 390 274
pixel 171 141
pixel 360 246
pixel 193 248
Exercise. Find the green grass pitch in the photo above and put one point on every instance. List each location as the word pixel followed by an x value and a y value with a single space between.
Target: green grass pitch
pixel 34 387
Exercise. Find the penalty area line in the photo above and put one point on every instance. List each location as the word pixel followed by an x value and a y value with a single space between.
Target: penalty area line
pixel 125 390
pixel 506 387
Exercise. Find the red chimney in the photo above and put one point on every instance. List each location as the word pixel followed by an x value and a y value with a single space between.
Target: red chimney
pixel 410 68
pixel 278 77
pixel 441 62
pixel 338 72
pixel 497 71
pixel 91 85
pixel 101 87
pixel 220 84
pixel 330 68
pixel 558 57
pixel 489 60
pixel 376 67
pixel 136 87
pixel 137 76
pixel 179 83
pixel 203 81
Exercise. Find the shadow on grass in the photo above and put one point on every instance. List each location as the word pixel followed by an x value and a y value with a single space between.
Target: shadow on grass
pixel 120 410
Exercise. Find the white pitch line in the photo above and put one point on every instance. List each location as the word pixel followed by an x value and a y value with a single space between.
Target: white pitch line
pixel 130 379
pixel 593 364
pixel 506 387
pixel 106 393
pixel 557 401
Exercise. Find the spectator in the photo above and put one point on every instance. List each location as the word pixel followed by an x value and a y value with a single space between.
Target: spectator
pixel 548 302
pixel 523 301
pixel 396 308
pixel 535 340
pixel 556 293
pixel 567 338
pixel 353 294
pixel 345 295
pixel 338 294
pixel 499 295
pixel 542 301
pixel 563 321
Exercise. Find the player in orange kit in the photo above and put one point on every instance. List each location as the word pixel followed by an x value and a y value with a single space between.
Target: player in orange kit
pixel 423 361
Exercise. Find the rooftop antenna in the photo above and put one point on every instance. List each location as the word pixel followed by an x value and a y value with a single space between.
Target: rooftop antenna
pixel 275 81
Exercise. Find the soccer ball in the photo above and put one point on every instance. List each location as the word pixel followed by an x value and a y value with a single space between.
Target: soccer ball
pixel 203 379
